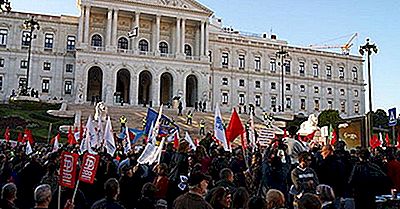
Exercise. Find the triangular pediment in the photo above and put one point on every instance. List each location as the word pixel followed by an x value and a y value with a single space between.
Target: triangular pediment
pixel 190 5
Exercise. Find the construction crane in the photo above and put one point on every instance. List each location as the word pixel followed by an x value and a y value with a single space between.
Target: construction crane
pixel 345 47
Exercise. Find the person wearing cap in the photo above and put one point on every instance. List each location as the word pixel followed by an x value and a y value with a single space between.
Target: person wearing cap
pixel 198 183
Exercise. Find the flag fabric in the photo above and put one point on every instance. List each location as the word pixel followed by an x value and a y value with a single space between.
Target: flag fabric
pixel 7 134
pixel 190 141
pixel 56 144
pixel 20 138
pixel 310 136
pixel 219 131
pixel 127 141
pixel 157 154
pixel 81 131
pixel 387 140
pixel 134 134
pixel 252 135
pixel 89 168
pixel 235 128
pixel 398 140
pixel 76 134
pixel 28 136
pixel 68 169
pixel 334 137
pixel 374 142
pixel 167 126
pixel 109 138
pixel 380 139
pixel 285 133
pixel 100 133
pixel 176 140
pixel 71 137
pixel 155 130
pixel 90 135
pixel 28 148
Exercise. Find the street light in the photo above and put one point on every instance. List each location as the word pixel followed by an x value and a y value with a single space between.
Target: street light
pixel 32 25
pixel 282 54
pixel 5 6
pixel 368 48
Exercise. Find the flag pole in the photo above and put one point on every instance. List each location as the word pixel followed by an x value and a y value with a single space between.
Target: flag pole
pixel 48 134
pixel 59 198
pixel 76 189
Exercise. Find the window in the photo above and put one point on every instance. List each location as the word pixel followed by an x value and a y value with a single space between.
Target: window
pixel 241 61
pixel 123 43
pixel 355 93
pixel 26 38
pixel 71 43
pixel 241 82
pixel 288 103
pixel 47 66
pixel 225 98
pixel 342 92
pixel 302 104
pixel 163 47
pixel 356 107
pixel 315 70
pixel 328 72
pixel 316 89
pixel 258 84
pixel 68 87
pixel 45 85
pixel 24 64
pixel 316 104
pixel 69 68
pixel 257 64
pixel 97 41
pixel 3 37
pixel 22 82
pixel 302 88
pixel 188 50
pixel 341 73
pixel 143 46
pixel 241 99
pixel 273 85
pixel 272 65
pixel 330 106
pixel 210 56
pixel 287 67
pixel 301 69
pixel 225 60
pixel 343 106
pixel 258 100
pixel 273 103
pixel 1 62
pixel 1 83
pixel 48 41
pixel 225 81
pixel 329 90
pixel 288 87
pixel 354 74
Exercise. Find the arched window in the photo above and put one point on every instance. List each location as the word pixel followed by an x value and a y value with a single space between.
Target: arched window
pixel 97 40
pixel 123 43
pixel 163 47
pixel 354 74
pixel 143 46
pixel 188 50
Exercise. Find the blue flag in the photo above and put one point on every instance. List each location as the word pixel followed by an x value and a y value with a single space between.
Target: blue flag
pixel 134 135
pixel 167 126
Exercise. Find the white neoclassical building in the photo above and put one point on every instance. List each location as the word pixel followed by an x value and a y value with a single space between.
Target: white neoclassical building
pixel 179 50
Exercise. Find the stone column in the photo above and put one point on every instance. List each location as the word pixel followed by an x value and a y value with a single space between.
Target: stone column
pixel 155 92
pixel 183 31
pixel 202 39
pixel 178 36
pixel 109 25
pixel 114 29
pixel 207 39
pixel 80 26
pixel 87 28
pixel 157 35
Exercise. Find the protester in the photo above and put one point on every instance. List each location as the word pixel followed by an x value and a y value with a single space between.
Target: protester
pixel 304 178
pixel 309 201
pixel 240 198
pixel 220 198
pixel 148 199
pixel 327 196
pixel 8 196
pixel 111 188
pixel 275 199
pixel 227 178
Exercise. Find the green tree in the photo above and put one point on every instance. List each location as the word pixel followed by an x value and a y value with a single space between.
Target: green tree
pixel 328 117
pixel 380 119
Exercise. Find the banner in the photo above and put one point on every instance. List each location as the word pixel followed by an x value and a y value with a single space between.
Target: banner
pixel 167 126
pixel 68 169
pixel 89 168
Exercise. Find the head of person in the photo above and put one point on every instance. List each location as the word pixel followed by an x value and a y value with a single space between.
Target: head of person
pixel 256 202
pixel 128 171
pixel 326 151
pixel 364 155
pixel 162 169
pixel 275 199
pixel 42 195
pixel 226 174
pixel 111 188
pixel 219 197
pixel 325 193
pixel 183 147
pixel 309 201
pixel 304 159
pixel 149 190
pixel 9 192
pixel 198 182
pixel 240 198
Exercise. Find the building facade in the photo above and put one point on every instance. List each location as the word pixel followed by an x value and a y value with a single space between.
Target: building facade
pixel 150 52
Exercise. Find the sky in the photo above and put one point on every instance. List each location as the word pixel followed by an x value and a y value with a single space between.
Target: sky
pixel 301 23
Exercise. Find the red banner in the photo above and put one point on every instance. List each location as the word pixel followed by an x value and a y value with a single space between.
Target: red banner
pixel 68 169
pixel 89 168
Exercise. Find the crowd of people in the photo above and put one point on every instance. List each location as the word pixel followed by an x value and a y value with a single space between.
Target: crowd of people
pixel 327 177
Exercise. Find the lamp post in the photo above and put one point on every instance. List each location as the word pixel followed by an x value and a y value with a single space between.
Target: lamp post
pixel 282 54
pixel 369 48
pixel 5 6
pixel 31 25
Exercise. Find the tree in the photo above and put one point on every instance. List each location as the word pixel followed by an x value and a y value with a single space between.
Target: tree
pixel 328 117
pixel 380 119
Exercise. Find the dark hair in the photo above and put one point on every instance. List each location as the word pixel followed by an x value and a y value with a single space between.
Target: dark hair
pixel 364 154
pixel 111 188
pixel 149 190
pixel 215 195
pixel 240 198
pixel 225 173
pixel 256 202
pixel 309 201
pixel 303 156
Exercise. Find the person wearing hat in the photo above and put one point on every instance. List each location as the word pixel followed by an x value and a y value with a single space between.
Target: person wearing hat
pixel 198 183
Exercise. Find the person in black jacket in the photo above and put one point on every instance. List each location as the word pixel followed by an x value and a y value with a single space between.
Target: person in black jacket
pixel 304 178
pixel 8 196
pixel 111 188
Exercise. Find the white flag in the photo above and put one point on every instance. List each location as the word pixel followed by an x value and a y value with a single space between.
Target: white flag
pixel 147 153
pixel 252 137
pixel 190 141
pixel 157 154
pixel 219 131
pixel 109 138
pixel 28 148
pixel 156 128
pixel 100 133
pixel 56 145
pixel 127 140
pixel 89 137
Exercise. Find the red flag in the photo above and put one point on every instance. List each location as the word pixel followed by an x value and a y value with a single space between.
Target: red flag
pixel 374 142
pixel 235 127
pixel 20 138
pixel 28 136
pixel 310 136
pixel 58 137
pixel 176 140
pixel 243 141
pixel 398 140
pixel 81 130
pixel 7 134
pixel 68 169
pixel 89 168
pixel 71 137
pixel 334 137
pixel 388 144
pixel 285 133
